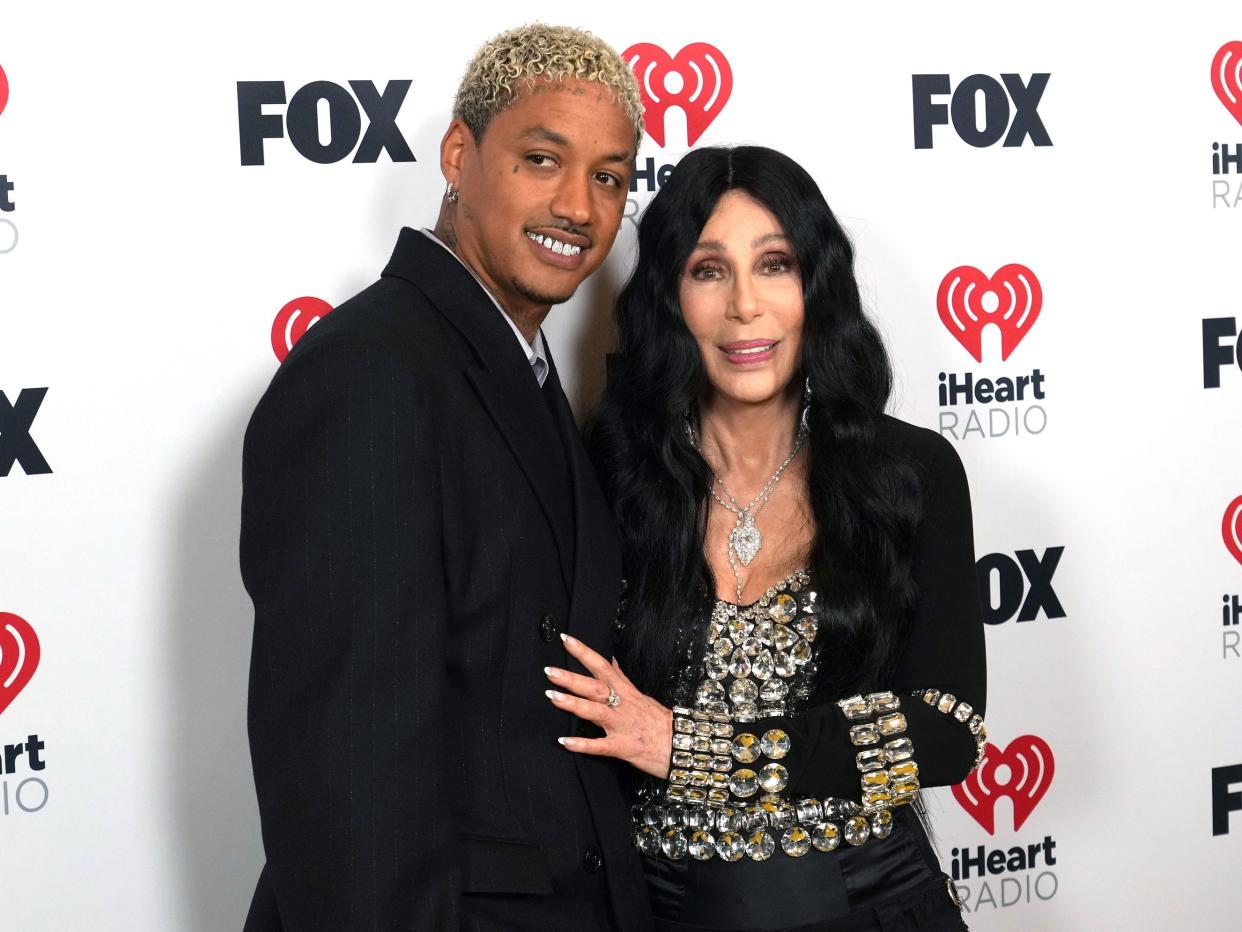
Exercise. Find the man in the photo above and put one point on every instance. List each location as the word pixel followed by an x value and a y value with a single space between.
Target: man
pixel 419 526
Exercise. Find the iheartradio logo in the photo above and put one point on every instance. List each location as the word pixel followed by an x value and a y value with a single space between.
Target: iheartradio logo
pixel 19 656
pixel 698 80
pixel 293 320
pixel 1029 767
pixel 1226 78
pixel 1231 528
pixel 4 90
pixel 968 301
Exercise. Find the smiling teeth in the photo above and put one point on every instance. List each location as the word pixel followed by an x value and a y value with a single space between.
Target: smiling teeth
pixel 751 351
pixel 561 249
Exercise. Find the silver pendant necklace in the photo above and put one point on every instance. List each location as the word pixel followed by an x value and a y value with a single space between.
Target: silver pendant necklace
pixel 745 539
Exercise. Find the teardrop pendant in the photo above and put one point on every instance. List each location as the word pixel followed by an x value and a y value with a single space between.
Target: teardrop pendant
pixel 745 539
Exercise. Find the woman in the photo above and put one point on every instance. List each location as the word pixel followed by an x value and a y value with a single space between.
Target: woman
pixel 802 629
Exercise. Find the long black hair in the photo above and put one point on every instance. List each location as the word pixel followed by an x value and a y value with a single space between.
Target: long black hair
pixel 864 497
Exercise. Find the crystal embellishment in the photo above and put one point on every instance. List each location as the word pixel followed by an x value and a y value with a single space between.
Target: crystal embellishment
pixel 882 824
pixel 773 778
pixel 743 690
pixel 760 845
pixel 774 744
pixel 796 841
pixel 826 836
pixel 785 664
pixel 784 609
pixel 648 840
pixel 673 844
pixel 702 845
pixel 746 748
pixel 857 830
pixel 730 846
pixel 774 690
pixel 739 663
pixel 744 783
pixel 762 667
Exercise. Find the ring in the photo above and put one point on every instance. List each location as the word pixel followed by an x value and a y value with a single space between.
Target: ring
pixel 613 699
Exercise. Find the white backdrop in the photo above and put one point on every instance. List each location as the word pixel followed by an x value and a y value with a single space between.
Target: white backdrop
pixel 141 268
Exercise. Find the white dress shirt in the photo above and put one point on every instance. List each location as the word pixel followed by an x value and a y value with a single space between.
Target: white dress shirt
pixel 536 355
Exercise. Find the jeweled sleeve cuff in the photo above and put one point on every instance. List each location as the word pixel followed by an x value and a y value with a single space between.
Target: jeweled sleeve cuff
pixel 702 757
pixel 885 761
pixel 963 712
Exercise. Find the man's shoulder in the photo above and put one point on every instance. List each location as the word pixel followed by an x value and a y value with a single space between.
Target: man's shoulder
pixel 390 314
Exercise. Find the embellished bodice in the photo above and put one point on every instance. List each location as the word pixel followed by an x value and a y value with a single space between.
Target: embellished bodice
pixel 754 660
pixel 760 658
pixel 723 796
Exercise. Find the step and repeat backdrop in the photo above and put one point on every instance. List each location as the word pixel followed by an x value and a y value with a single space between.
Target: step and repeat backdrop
pixel 1047 208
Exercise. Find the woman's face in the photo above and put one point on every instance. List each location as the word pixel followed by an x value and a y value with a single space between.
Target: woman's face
pixel 741 297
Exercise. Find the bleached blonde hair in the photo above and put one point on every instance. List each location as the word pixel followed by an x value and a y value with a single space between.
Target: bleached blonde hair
pixel 517 59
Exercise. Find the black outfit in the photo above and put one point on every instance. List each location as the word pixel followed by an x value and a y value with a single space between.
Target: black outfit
pixel 419 524
pixel 889 882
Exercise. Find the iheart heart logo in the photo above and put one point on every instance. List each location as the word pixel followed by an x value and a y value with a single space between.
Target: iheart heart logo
pixel 1231 528
pixel 968 301
pixel 698 80
pixel 1227 77
pixel 4 90
pixel 293 320
pixel 1030 767
pixel 19 656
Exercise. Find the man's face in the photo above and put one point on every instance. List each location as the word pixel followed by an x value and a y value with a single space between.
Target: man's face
pixel 542 194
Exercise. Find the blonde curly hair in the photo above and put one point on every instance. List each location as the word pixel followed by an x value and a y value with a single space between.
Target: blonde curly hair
pixel 518 58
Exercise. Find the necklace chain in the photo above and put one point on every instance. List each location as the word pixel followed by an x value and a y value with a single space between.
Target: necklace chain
pixel 745 540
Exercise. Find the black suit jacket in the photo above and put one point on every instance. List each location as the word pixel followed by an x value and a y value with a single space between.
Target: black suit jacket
pixel 419 523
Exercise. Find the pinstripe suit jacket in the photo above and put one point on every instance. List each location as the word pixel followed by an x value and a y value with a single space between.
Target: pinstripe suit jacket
pixel 419 522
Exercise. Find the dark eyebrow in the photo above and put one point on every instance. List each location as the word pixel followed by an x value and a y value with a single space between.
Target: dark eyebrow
pixel 719 246
pixel 544 134
pixel 771 237
pixel 547 135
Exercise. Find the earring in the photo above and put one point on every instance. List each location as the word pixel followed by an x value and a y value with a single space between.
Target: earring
pixel 687 423
pixel 804 419
pixel 451 194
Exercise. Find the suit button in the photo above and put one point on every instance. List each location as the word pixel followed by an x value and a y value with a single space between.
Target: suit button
pixel 547 628
pixel 592 860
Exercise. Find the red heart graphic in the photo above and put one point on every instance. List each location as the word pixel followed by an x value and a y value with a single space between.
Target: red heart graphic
pixel 1231 528
pixel 1227 77
pixel 19 656
pixel 293 320
pixel 1031 766
pixel 965 312
pixel 702 83
pixel 4 90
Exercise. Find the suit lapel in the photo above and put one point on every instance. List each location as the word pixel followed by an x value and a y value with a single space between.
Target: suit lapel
pixel 501 377
pixel 597 563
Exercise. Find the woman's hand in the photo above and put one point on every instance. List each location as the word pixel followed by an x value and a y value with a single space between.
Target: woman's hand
pixel 638 729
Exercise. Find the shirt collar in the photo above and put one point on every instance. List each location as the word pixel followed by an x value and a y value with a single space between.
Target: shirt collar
pixel 536 353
